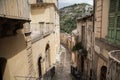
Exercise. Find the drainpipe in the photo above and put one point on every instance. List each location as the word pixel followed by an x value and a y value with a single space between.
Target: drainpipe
pixel 101 19
pixel 93 38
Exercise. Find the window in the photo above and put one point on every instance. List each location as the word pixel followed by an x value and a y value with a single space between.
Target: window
pixel 38 1
pixel 114 22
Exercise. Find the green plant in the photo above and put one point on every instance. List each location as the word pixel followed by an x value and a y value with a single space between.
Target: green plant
pixel 84 52
pixel 77 47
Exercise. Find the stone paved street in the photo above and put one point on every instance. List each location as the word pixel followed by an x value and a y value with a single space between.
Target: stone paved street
pixel 63 66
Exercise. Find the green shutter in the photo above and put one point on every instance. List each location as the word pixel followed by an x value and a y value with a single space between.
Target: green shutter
pixel 114 22
pixel 118 22
pixel 118 30
pixel 119 6
pixel 113 4
pixel 111 27
pixel 111 22
pixel 118 35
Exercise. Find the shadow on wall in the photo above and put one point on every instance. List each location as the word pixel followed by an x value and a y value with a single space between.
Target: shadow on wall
pixel 11 46
pixel 3 62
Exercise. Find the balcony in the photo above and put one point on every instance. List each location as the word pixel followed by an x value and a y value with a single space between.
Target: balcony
pixel 16 9
pixel 114 65
pixel 41 30
pixel 34 2
pixel 26 78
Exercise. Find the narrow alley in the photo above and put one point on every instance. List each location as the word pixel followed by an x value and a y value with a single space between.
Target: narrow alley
pixel 63 65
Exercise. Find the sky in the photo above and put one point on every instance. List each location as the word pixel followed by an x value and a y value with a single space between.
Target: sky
pixel 63 3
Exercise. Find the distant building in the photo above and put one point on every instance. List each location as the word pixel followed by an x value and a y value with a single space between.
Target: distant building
pixel 85 40
pixel 65 39
pixel 74 53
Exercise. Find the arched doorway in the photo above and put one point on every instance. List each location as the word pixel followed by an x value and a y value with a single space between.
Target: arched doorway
pixel 47 75
pixel 90 74
pixel 103 73
pixel 47 56
pixel 3 62
pixel 39 67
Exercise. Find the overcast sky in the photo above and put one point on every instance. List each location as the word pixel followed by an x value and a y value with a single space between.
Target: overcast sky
pixel 63 3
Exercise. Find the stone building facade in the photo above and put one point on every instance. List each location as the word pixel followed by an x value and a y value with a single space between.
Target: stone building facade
pixel 14 39
pixel 85 40
pixel 29 39
pixel 74 54
pixel 65 39
pixel 106 36
pixel 45 36
pixel 104 60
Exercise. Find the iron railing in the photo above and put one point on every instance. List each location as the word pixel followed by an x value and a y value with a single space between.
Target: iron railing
pixel 41 29
pixel 26 78
pixel 113 71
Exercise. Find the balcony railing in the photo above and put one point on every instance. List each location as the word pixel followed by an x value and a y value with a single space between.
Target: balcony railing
pixel 42 1
pixel 114 65
pixel 34 2
pixel 41 29
pixel 26 78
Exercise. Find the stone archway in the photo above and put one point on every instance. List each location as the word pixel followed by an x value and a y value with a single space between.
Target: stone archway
pixel 103 73
pixel 3 62
pixel 47 75
pixel 39 67
pixel 47 56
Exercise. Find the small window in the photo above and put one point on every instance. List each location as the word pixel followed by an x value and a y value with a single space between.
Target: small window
pixel 39 1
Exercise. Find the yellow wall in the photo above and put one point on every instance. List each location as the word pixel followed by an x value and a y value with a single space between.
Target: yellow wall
pixel 101 23
pixel 14 50
pixel 105 18
pixel 46 14
pixel 39 50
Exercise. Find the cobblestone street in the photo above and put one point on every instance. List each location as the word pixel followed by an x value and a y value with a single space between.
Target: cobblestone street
pixel 63 66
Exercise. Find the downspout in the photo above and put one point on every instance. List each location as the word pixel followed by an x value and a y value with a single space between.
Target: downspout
pixel 93 16
pixel 101 19
pixel 93 38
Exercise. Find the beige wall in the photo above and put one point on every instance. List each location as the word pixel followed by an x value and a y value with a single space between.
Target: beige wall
pixel 101 26
pixel 88 34
pixel 43 14
pixel 57 30
pixel 101 63
pixel 47 14
pixel 105 18
pixel 38 49
pixel 74 55
pixel 14 50
pixel 101 23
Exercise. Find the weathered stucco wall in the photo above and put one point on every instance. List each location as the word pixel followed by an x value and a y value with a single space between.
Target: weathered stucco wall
pixel 46 14
pixel 39 51
pixel 13 49
pixel 43 14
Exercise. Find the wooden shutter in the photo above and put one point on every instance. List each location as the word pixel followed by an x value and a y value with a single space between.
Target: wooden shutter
pixel 117 29
pixel 114 21
pixel 113 4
